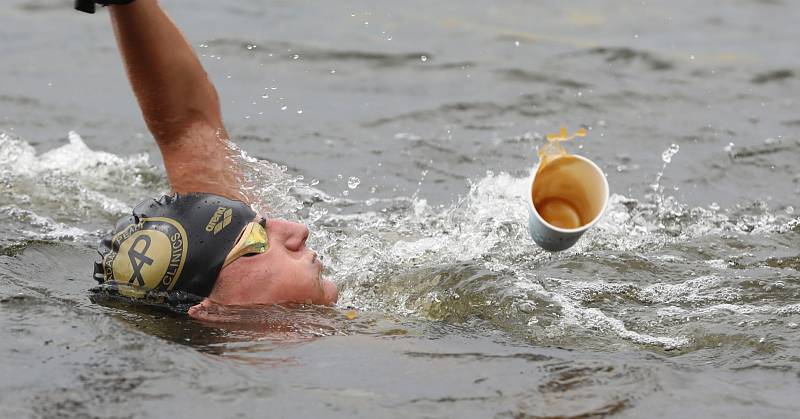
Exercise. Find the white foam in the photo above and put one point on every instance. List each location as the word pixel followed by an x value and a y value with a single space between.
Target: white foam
pixel 71 183
pixel 594 318
pixel 702 289
pixel 75 158
pixel 489 226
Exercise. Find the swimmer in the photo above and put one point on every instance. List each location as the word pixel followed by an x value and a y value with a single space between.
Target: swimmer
pixel 202 242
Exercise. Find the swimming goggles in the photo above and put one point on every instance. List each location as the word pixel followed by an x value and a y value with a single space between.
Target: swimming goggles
pixel 252 240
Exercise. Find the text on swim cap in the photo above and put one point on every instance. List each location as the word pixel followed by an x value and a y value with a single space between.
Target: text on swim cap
pixel 221 218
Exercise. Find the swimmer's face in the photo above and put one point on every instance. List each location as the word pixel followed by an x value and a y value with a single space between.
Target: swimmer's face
pixel 288 272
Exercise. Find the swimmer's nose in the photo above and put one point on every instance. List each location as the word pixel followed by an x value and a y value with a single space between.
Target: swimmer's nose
pixel 297 237
pixel 291 235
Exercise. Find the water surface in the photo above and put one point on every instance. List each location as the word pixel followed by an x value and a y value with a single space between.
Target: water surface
pixel 404 134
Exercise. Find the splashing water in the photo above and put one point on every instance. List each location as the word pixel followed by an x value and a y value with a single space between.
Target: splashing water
pixel 473 260
pixel 468 262
pixel 666 157
pixel 76 183
pixel 353 182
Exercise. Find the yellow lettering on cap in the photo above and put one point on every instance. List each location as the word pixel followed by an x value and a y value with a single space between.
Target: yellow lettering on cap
pixel 219 220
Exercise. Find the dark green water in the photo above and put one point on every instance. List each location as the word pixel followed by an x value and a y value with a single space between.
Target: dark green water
pixel 404 134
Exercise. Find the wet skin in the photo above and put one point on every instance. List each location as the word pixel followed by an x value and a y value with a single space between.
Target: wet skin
pixel 288 272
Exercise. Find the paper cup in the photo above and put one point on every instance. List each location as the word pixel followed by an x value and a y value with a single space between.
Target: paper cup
pixel 564 200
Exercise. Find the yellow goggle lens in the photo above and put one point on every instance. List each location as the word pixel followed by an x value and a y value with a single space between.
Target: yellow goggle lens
pixel 254 239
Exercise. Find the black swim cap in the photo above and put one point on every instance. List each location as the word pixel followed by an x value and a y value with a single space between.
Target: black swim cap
pixel 176 243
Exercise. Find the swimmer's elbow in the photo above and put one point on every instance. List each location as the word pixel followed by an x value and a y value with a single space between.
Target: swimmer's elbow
pixel 192 123
pixel 170 116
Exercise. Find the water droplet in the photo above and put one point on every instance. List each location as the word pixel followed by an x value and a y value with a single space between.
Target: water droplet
pixel 666 156
pixel 265 96
pixel 345 193
pixel 283 108
pixel 296 56
pixel 204 45
pixel 314 182
pixel 353 182
pixel 691 57
pixel 299 111
pixel 516 43
pixel 333 71
pixel 423 58
pixel 714 206
pixel 251 47
pixel 729 148
pixel 790 210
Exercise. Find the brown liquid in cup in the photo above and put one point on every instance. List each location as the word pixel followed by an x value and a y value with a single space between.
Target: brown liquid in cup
pixel 560 195
pixel 559 213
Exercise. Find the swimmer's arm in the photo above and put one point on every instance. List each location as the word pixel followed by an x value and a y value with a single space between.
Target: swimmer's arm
pixel 179 103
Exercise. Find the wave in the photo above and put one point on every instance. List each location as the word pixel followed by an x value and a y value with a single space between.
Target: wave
pixel 70 191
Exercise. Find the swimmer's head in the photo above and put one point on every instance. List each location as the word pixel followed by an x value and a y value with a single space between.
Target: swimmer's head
pixel 203 246
pixel 178 244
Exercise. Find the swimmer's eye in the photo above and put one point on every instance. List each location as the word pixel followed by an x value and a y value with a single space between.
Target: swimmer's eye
pixel 253 240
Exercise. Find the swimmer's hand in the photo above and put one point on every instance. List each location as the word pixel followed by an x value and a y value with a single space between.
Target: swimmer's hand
pixel 88 5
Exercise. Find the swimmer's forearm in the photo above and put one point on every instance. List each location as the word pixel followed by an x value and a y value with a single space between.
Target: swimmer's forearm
pixel 173 90
pixel 179 103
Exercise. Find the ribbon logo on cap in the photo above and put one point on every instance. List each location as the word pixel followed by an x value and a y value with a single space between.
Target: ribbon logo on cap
pixel 148 256
pixel 139 259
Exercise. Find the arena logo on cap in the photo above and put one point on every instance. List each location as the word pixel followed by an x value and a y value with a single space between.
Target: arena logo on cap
pixel 221 218
pixel 149 256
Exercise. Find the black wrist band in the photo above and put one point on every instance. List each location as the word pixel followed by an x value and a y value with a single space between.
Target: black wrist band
pixel 88 5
